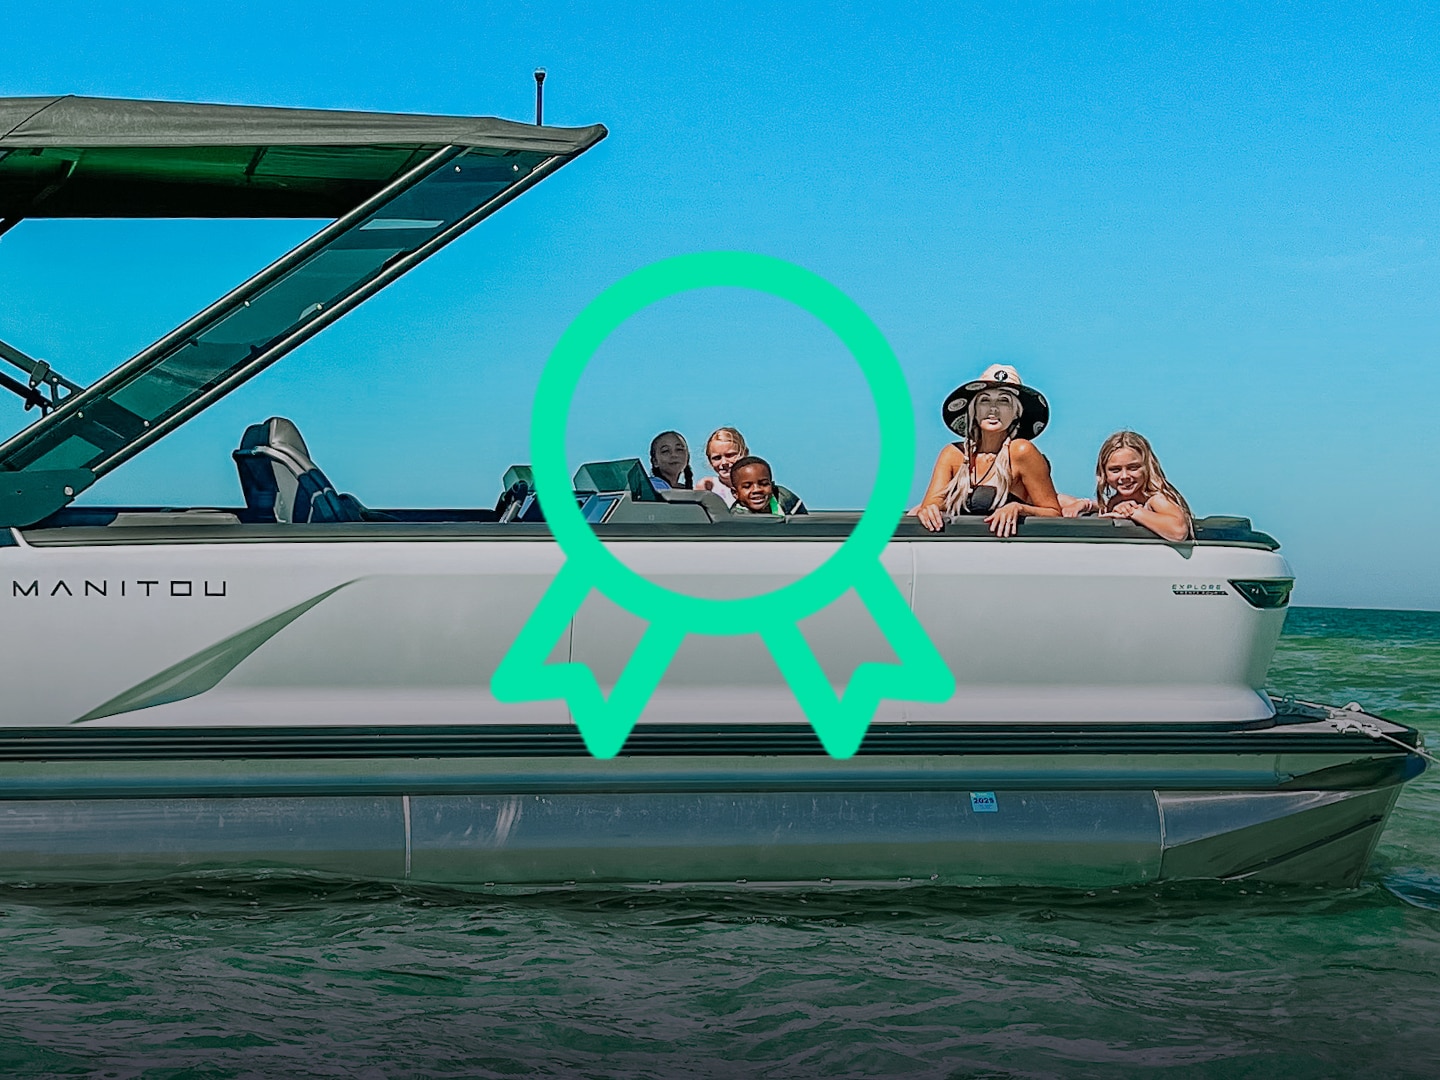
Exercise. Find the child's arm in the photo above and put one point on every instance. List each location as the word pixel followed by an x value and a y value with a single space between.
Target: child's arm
pixel 1160 515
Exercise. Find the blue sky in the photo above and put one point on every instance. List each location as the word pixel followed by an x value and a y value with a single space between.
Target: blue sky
pixel 1218 227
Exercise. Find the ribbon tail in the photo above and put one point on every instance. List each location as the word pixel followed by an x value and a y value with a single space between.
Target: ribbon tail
pixel 523 674
pixel 604 723
pixel 841 721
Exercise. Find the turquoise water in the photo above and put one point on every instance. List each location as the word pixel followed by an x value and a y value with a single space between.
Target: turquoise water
pixel 299 977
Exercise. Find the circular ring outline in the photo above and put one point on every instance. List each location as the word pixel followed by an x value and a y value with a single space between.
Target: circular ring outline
pixel 685 273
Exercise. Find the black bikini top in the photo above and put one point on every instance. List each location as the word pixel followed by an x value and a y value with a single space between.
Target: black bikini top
pixel 981 497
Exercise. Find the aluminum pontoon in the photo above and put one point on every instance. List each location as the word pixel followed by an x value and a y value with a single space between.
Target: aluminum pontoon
pixel 303 682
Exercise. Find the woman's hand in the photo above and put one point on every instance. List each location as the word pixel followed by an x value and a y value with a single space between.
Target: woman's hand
pixel 1003 522
pixel 930 516
pixel 1072 507
pixel 930 512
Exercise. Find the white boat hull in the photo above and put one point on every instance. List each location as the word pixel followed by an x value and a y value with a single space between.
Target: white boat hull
pixel 397 631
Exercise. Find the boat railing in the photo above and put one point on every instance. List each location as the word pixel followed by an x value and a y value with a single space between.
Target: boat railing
pixel 623 520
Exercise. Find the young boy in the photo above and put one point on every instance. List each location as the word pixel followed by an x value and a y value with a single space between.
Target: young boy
pixel 756 491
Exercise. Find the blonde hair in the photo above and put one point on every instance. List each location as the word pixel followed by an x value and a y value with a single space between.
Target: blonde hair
pixel 1154 482
pixel 964 480
pixel 731 435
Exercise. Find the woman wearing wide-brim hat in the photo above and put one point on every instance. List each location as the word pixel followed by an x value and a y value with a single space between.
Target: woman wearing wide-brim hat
pixel 995 469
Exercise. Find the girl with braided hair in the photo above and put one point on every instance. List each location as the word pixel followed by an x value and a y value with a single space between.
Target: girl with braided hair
pixel 670 462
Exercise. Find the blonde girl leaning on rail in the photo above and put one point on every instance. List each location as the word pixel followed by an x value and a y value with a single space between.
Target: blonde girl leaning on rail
pixel 995 470
pixel 1129 483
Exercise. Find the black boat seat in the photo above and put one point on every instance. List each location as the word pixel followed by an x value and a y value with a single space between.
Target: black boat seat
pixel 282 484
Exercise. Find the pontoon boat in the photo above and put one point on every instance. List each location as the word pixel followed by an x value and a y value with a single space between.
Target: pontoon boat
pixel 301 681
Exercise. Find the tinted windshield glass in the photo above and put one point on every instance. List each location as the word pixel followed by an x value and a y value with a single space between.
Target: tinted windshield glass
pixel 255 324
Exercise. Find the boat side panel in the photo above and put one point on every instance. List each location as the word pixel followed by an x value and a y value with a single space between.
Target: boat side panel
pixel 351 632
pixel 718 679
pixel 1097 632
pixel 205 635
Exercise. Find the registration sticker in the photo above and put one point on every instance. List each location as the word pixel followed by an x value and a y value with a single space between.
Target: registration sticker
pixel 983 802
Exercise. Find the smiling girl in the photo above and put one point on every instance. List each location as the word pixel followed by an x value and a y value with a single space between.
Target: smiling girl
pixel 670 461
pixel 724 447
pixel 1129 483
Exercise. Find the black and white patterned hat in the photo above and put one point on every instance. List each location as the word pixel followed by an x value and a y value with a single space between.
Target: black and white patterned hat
pixel 1034 409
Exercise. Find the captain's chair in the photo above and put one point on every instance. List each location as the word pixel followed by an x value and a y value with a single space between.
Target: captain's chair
pixel 282 484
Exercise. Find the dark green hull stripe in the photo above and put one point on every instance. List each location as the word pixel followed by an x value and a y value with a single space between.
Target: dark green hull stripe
pixel 664 740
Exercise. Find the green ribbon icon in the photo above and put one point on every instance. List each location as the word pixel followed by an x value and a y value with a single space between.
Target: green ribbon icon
pixel 839 721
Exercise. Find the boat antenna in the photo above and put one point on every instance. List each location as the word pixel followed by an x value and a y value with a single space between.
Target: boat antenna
pixel 539 96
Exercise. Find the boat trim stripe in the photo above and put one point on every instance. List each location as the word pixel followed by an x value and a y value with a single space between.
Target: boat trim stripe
pixel 670 740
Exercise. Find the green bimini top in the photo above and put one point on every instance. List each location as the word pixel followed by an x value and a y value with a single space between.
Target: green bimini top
pixel 399 188
pixel 63 157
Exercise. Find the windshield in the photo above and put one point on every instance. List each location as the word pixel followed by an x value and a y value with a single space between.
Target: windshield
pixel 99 428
